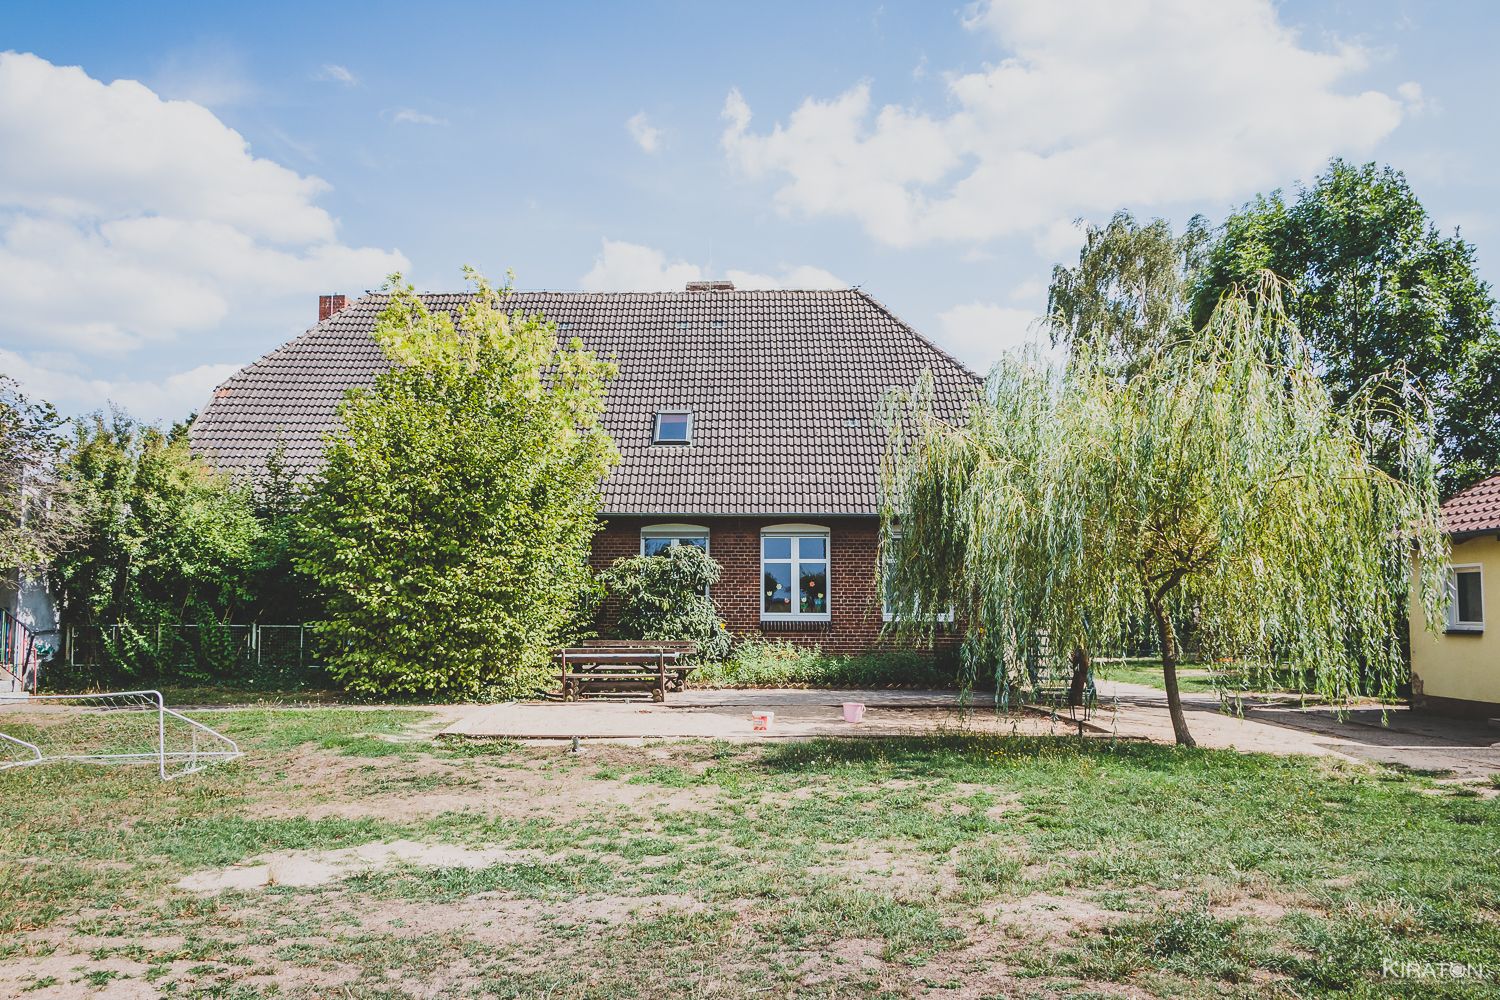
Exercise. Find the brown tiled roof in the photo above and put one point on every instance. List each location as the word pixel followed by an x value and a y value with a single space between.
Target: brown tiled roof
pixel 1475 510
pixel 785 389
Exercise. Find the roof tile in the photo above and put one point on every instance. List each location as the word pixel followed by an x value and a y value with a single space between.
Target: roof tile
pixel 1475 510
pixel 785 389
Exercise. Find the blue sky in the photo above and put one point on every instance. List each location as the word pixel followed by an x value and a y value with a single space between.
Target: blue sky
pixel 178 182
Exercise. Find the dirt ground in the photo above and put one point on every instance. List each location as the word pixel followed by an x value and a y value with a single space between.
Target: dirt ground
pixel 371 856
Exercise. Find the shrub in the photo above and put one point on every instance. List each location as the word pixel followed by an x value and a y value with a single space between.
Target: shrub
pixel 776 663
pixel 663 597
pixel 450 528
pixel 161 536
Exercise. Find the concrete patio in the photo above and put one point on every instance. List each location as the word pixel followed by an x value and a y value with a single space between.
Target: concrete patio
pixel 1126 711
pixel 725 714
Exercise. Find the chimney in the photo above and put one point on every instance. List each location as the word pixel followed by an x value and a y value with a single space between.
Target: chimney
pixel 710 286
pixel 330 304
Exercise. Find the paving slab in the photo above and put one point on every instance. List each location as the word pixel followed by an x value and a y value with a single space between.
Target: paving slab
pixel 726 714
pixel 1394 735
pixel 1126 711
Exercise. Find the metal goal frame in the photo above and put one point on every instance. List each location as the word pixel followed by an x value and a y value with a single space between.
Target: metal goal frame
pixel 203 747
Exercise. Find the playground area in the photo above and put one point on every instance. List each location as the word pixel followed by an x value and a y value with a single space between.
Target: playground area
pixel 357 851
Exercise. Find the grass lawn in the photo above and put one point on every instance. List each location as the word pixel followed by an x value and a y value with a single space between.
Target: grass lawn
pixel 1190 676
pixel 1196 677
pixel 941 867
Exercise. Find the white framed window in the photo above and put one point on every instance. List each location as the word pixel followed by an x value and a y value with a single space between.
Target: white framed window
pixel 657 538
pixel 794 573
pixel 1466 599
pixel 673 427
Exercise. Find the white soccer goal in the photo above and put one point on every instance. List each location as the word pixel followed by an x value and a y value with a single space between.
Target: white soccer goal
pixel 117 727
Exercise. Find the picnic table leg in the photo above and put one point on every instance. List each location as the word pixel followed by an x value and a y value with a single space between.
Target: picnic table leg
pixel 659 693
pixel 567 685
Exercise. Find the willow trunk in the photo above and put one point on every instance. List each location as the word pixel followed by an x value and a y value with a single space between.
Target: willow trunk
pixel 1170 656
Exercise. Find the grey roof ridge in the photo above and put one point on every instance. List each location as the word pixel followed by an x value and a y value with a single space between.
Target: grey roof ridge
pixel 676 293
pixel 920 337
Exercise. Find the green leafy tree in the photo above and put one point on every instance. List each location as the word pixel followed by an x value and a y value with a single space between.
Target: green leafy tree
pixel 162 539
pixel 1374 286
pixel 665 597
pixel 1127 297
pixel 449 530
pixel 1219 483
pixel 283 594
pixel 36 514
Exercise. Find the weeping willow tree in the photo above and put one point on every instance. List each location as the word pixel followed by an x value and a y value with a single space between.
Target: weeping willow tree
pixel 1218 484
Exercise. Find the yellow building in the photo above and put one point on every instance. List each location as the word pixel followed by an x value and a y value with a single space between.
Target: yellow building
pixel 1457 670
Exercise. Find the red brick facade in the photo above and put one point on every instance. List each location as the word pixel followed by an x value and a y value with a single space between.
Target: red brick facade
pixel 853 602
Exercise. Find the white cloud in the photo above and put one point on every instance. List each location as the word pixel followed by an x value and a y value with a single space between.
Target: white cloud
pixel 1029 290
pixel 410 116
pixel 1414 98
pixel 1099 103
pixel 127 222
pixel 630 267
pixel 72 147
pixel 208 73
pixel 802 276
pixel 646 135
pixel 335 73
pixel 978 333
pixel 1059 240
pixel 169 398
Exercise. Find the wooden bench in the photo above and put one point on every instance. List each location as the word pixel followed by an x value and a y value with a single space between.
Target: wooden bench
pixel 624 665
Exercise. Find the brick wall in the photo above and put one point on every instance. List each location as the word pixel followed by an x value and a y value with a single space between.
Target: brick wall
pixel 854 605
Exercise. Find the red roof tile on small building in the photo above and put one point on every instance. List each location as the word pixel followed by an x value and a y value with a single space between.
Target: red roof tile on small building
pixel 1474 511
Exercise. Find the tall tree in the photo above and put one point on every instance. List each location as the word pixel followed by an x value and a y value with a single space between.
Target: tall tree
pixel 162 538
pixel 1219 483
pixel 449 530
pixel 36 515
pixel 1127 297
pixel 1374 286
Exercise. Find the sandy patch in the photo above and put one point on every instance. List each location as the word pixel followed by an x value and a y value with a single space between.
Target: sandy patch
pixel 840 961
pixel 900 872
pixel 559 788
pixel 1047 916
pixel 309 868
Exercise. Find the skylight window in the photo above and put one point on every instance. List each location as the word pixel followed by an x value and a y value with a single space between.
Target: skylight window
pixel 673 427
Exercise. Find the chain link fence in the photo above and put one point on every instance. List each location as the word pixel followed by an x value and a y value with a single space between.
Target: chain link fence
pixel 256 656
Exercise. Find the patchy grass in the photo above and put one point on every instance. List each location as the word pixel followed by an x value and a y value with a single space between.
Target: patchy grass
pixel 1206 678
pixel 949 866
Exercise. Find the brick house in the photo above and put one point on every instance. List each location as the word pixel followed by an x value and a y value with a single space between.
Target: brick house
pixel 748 423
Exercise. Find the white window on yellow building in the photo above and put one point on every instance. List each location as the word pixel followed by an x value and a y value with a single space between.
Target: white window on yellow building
pixel 1466 599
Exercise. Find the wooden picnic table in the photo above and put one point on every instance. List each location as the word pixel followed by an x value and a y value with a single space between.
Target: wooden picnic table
pixel 624 665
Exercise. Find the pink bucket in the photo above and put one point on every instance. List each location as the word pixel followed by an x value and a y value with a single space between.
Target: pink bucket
pixel 854 711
